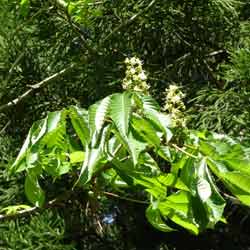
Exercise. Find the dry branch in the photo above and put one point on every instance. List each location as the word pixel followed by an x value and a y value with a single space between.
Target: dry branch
pixel 34 87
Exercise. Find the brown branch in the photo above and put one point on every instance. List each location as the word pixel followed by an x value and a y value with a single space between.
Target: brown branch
pixel 25 212
pixel 124 198
pixel 5 127
pixel 187 55
pixel 34 87
pixel 19 213
pixel 53 203
pixel 215 53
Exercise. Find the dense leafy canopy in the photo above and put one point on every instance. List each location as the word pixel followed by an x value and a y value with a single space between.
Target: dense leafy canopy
pixel 121 138
pixel 59 55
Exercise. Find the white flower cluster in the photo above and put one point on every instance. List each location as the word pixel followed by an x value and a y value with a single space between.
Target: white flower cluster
pixel 175 106
pixel 136 78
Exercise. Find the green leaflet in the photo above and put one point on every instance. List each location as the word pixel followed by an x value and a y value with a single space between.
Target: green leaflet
pixel 227 151
pixel 158 185
pixel 12 210
pixel 79 120
pixel 164 152
pixel 77 156
pixel 188 174
pixel 148 165
pixel 33 190
pixel 152 185
pixel 95 157
pixel 125 170
pixel 237 182
pixel 100 114
pixel 178 208
pixel 154 217
pixel 136 145
pixel 146 131
pixel 208 204
pixel 147 103
pixel 120 111
pixel 151 110
pixel 49 131
pixel 208 193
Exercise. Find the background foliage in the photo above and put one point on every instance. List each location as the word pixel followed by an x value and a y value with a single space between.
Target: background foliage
pixel 201 46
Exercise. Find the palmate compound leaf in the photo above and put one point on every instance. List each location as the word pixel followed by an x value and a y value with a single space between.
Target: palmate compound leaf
pixel 223 149
pixel 207 203
pixel 195 205
pixel 230 162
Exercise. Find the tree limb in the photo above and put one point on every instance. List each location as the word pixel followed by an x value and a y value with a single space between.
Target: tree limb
pixel 34 87
pixel 53 203
pixel 5 127
pixel 18 214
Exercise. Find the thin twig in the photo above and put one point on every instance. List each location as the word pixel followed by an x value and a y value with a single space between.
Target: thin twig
pixel 129 21
pixel 52 203
pixel 33 87
pixel 183 151
pixel 182 58
pixel 187 55
pixel 19 213
pixel 215 53
pixel 13 67
pixel 27 211
pixel 125 198
pixel 4 128
pixel 232 199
